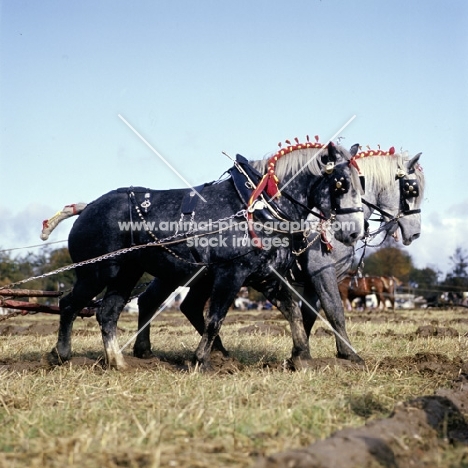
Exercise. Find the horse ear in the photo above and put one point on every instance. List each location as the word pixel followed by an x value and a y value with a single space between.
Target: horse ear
pixel 413 161
pixel 331 154
pixel 354 149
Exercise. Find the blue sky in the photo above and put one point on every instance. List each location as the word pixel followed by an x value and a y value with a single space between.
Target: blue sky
pixel 196 78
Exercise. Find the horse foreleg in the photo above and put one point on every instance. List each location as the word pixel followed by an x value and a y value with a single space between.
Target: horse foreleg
pixel 309 309
pixel 326 288
pixel 300 354
pixel 381 302
pixel 193 307
pixel 224 291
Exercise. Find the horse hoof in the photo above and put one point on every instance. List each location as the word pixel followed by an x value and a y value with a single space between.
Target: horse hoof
pixel 143 354
pixel 355 358
pixel 54 359
pixel 299 363
pixel 219 352
pixel 120 365
pixel 204 367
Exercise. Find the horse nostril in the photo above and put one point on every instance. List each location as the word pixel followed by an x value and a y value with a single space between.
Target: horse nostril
pixel 354 235
pixel 415 236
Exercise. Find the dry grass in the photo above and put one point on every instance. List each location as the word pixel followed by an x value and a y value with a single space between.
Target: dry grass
pixel 82 415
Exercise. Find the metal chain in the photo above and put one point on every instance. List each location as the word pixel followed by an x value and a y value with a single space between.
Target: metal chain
pixel 158 243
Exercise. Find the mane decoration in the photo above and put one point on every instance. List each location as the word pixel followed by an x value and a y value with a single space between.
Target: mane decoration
pixel 367 154
pixel 382 171
pixel 371 152
pixel 270 181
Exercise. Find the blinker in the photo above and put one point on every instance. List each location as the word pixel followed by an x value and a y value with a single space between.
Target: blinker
pixel 410 188
pixel 341 185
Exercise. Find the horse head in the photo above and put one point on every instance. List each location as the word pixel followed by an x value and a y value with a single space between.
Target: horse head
pixel 394 187
pixel 411 195
pixel 318 178
pixel 342 203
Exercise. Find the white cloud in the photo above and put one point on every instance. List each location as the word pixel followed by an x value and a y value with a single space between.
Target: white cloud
pixel 440 236
pixel 21 230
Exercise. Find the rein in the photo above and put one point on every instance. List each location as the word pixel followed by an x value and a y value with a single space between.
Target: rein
pixel 269 185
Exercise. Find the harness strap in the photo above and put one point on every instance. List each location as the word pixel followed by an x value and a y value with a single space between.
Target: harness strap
pixel 375 207
pixel 410 212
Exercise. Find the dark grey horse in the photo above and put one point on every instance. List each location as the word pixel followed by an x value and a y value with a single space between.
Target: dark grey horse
pixel 312 178
pixel 388 177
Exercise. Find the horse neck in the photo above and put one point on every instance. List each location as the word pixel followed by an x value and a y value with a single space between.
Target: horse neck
pixel 386 198
pixel 298 186
pixel 380 179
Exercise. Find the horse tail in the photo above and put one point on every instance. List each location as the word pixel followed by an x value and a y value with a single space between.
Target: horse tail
pixel 48 225
pixel 397 281
pixel 387 282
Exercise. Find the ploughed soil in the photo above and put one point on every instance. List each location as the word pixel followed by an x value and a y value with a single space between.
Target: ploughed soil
pixel 409 437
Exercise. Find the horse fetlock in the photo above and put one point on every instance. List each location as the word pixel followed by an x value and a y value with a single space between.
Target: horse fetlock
pixel 302 362
pixel 58 357
pixel 300 358
pixel 352 357
pixel 201 365
pixel 114 357
pixel 143 353
pixel 219 347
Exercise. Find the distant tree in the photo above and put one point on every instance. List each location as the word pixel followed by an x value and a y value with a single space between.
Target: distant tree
pixel 425 281
pixel 9 269
pixel 460 263
pixel 457 279
pixel 54 260
pixel 389 261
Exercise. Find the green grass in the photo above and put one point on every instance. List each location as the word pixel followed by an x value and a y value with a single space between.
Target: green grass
pixel 82 415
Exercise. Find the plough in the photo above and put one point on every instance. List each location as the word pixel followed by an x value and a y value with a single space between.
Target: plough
pixel 26 307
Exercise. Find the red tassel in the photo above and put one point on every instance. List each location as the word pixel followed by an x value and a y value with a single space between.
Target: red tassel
pixel 288 142
pixel 316 138
pixel 391 150
pixel 272 186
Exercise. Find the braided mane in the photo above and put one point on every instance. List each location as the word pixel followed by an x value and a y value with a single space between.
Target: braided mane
pixel 292 159
pixel 380 167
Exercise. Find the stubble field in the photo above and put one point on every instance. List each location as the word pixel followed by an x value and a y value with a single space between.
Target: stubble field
pixel 253 410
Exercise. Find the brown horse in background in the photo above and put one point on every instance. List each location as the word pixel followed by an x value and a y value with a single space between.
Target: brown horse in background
pixel 352 287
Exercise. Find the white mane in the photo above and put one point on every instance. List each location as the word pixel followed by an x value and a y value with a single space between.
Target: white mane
pixel 307 159
pixel 380 171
